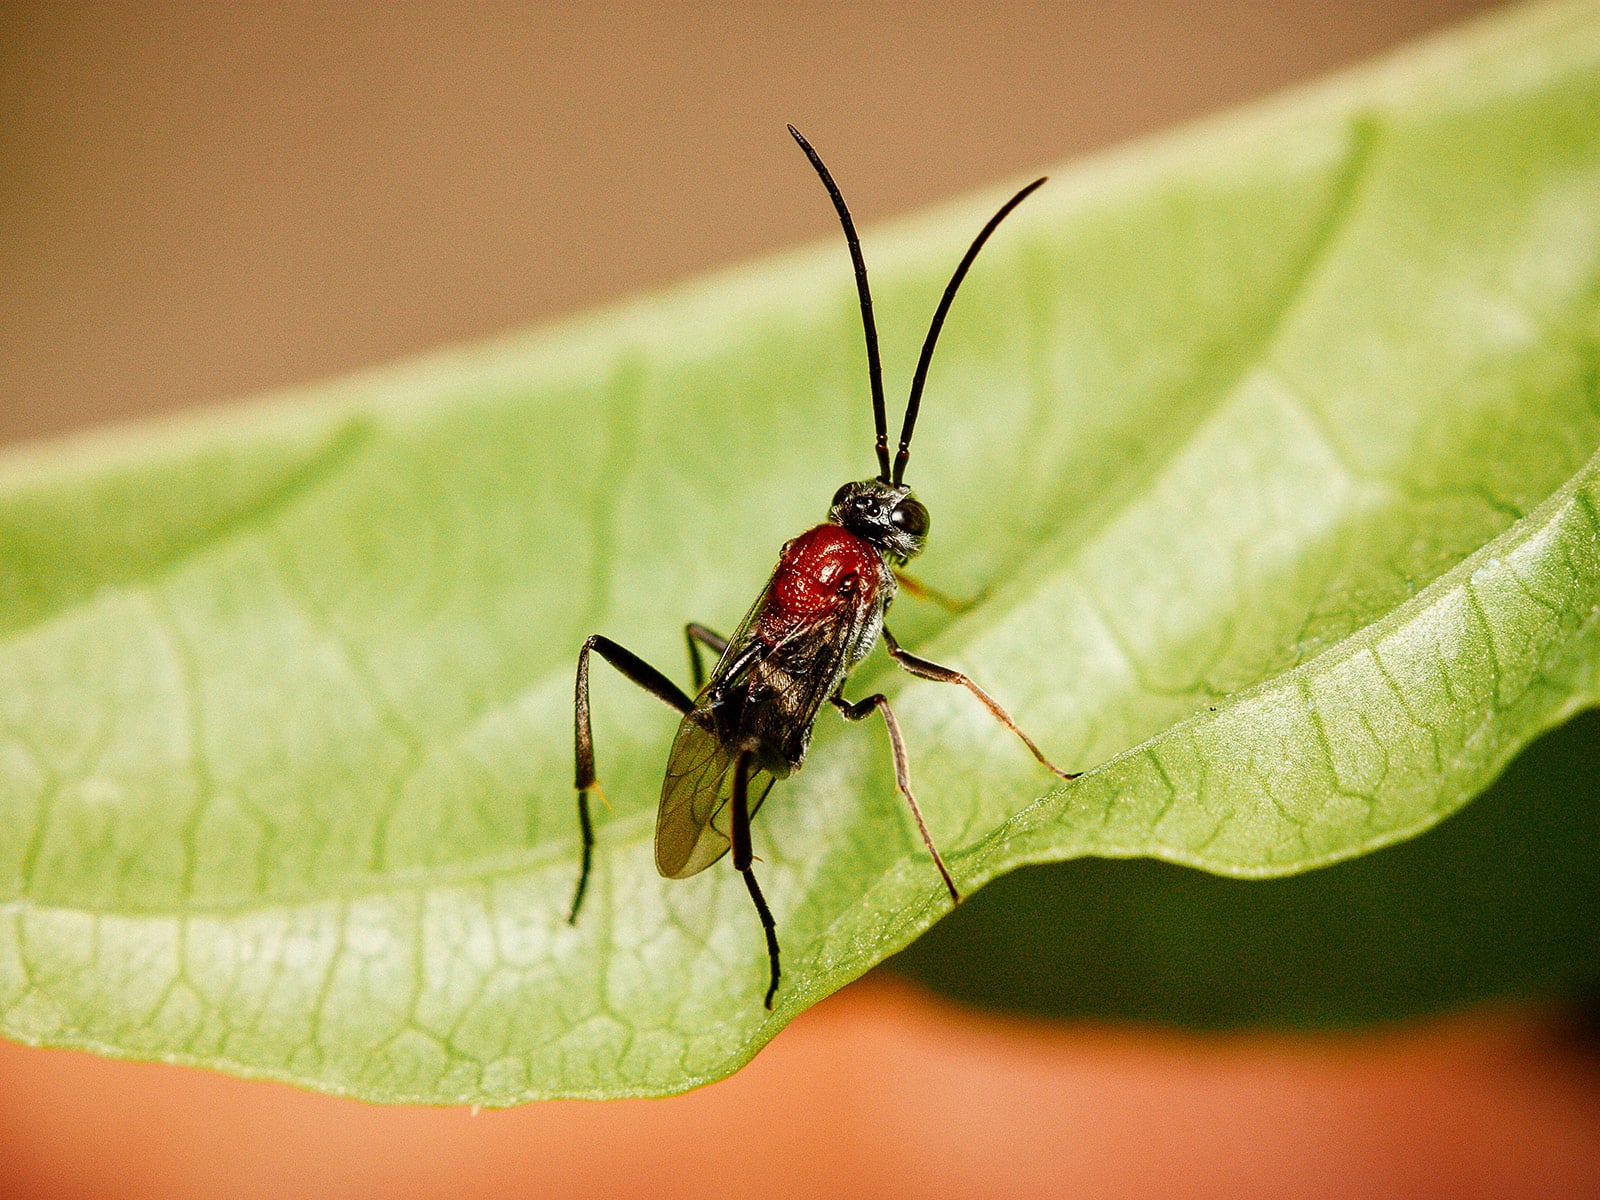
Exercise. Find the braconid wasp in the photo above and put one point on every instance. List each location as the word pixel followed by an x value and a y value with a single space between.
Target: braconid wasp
pixel 747 726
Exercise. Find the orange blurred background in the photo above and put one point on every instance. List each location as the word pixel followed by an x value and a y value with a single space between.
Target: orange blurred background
pixel 205 201
pixel 209 200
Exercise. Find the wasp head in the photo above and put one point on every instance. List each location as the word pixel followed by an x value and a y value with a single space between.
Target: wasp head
pixel 884 514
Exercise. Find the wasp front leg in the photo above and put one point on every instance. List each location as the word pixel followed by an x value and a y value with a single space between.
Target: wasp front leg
pixel 944 600
pixel 636 670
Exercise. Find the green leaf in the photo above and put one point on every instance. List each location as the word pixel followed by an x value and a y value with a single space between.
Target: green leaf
pixel 1496 901
pixel 1270 446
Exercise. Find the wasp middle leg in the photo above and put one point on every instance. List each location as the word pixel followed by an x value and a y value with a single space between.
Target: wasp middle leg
pixel 636 670
pixel 923 669
pixel 697 636
pixel 860 711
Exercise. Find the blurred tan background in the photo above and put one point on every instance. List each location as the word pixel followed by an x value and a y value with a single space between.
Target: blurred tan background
pixel 206 200
pixel 203 201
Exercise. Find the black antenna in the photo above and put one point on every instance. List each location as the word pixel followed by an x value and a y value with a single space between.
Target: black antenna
pixel 874 363
pixel 921 375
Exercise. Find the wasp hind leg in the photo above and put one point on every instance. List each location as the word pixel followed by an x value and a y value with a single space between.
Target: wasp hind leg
pixel 860 711
pixel 739 835
pixel 923 669
pixel 636 670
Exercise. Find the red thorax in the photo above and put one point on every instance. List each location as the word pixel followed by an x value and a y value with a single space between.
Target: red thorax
pixel 819 571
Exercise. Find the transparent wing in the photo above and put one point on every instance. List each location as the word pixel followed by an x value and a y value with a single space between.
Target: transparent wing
pixel 692 829
pixel 699 777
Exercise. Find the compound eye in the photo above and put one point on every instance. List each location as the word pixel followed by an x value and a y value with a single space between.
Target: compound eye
pixel 840 495
pixel 910 517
